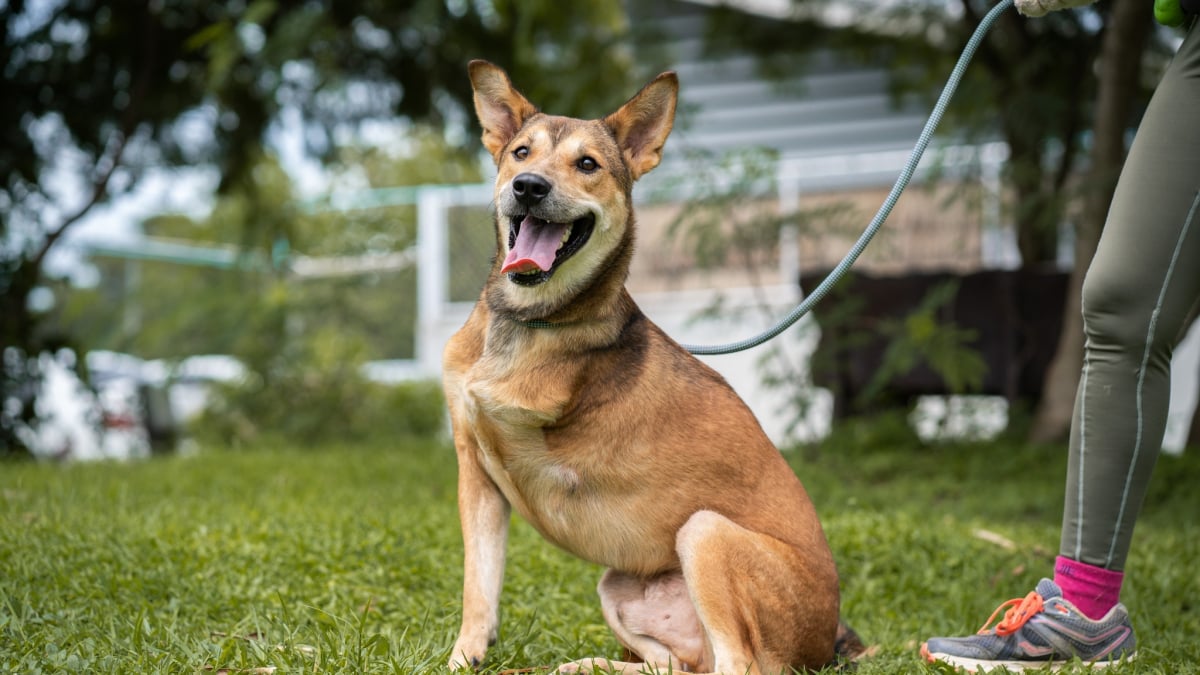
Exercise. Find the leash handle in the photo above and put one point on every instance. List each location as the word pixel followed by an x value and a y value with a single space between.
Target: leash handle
pixel 906 175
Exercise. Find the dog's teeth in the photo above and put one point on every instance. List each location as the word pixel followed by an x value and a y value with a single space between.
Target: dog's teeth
pixel 566 235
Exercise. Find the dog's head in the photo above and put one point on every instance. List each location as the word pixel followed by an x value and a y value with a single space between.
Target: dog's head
pixel 563 191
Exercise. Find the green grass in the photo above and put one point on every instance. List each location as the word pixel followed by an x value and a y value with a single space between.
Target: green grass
pixel 348 559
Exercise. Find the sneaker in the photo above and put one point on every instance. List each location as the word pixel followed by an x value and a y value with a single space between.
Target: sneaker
pixel 1042 630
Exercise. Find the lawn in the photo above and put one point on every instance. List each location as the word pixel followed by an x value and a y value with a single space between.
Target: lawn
pixel 347 559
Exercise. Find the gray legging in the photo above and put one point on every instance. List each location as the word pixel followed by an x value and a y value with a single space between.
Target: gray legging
pixel 1137 296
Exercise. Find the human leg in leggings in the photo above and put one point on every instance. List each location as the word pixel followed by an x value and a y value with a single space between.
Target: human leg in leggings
pixel 1137 295
pixel 1139 290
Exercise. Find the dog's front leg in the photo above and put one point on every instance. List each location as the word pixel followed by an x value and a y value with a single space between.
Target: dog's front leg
pixel 484 513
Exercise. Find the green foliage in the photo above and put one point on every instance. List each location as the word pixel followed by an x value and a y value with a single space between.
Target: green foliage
pixel 1032 82
pixel 97 94
pixel 156 310
pixel 724 210
pixel 313 391
pixel 96 72
pixel 303 341
pixel 729 221
pixel 781 370
pixel 347 559
pixel 729 216
pixel 921 338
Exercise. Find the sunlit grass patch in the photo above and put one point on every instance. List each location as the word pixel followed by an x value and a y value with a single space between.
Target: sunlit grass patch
pixel 348 559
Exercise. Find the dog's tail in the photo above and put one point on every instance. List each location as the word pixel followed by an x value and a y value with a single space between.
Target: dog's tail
pixel 848 648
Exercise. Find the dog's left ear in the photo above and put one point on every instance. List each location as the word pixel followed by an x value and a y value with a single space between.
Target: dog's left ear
pixel 501 109
pixel 644 122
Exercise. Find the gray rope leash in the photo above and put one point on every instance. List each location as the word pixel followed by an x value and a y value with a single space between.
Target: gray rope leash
pixel 902 182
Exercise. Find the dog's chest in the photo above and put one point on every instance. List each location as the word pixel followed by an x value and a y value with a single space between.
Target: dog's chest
pixel 562 492
pixel 508 429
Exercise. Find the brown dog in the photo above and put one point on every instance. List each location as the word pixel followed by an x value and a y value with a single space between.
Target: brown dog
pixel 569 405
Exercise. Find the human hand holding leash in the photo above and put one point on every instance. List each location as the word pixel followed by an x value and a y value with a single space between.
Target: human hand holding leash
pixel 1041 7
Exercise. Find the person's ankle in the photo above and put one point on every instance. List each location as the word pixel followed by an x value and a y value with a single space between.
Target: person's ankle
pixel 1092 589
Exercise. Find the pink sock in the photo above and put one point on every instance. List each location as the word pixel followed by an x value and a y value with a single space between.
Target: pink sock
pixel 1094 590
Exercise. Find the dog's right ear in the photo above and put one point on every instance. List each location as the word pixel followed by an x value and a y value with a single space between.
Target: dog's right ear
pixel 501 109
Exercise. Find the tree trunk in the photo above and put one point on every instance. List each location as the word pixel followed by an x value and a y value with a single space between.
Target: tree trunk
pixel 1125 41
pixel 1037 238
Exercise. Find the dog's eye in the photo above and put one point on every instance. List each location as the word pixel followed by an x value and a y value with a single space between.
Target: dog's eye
pixel 587 164
pixel 521 152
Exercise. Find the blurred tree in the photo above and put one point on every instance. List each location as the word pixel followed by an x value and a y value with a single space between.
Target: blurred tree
pixel 1120 71
pixel 1060 89
pixel 1033 82
pixel 98 93
pixel 161 314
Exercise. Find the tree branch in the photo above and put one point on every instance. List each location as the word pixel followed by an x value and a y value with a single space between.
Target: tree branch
pixel 99 191
pixel 129 122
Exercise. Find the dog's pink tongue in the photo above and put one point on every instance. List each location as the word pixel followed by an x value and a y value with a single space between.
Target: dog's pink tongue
pixel 536 245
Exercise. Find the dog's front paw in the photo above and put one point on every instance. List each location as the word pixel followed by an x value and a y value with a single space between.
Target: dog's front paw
pixel 465 657
pixel 461 662
pixel 472 645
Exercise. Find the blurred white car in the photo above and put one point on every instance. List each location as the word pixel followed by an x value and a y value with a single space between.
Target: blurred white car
pixel 134 406
pixel 72 422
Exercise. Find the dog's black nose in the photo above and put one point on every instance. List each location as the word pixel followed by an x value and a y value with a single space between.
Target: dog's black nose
pixel 530 188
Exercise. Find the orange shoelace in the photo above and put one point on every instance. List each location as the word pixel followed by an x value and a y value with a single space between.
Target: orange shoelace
pixel 1020 610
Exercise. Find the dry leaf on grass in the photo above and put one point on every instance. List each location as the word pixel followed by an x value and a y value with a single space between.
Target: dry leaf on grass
pixel 994 538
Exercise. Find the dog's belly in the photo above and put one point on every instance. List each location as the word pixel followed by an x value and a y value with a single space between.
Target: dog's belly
pixel 655 613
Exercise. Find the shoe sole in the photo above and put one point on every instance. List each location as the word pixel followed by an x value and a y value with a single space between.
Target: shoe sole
pixel 981 666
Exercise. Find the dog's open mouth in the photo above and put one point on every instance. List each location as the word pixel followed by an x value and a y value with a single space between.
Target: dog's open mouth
pixel 537 247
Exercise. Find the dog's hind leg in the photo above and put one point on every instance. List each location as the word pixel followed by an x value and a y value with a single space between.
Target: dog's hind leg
pixel 744 603
pixel 766 606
